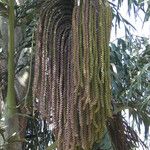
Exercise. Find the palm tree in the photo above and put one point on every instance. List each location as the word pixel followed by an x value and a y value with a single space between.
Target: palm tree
pixel 71 78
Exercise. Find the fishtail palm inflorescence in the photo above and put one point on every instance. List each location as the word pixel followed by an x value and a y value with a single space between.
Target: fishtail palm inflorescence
pixel 72 77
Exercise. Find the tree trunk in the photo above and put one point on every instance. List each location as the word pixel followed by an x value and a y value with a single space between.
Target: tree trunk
pixel 11 118
pixel 14 123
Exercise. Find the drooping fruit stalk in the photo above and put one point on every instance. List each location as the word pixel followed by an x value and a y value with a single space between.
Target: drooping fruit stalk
pixel 72 78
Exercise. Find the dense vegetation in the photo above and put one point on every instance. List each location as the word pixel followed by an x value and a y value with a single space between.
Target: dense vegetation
pixel 50 39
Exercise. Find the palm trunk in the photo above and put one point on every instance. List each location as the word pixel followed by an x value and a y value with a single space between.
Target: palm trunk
pixel 10 110
pixel 11 101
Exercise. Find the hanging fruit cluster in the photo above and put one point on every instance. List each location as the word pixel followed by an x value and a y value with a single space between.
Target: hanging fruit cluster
pixel 72 77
